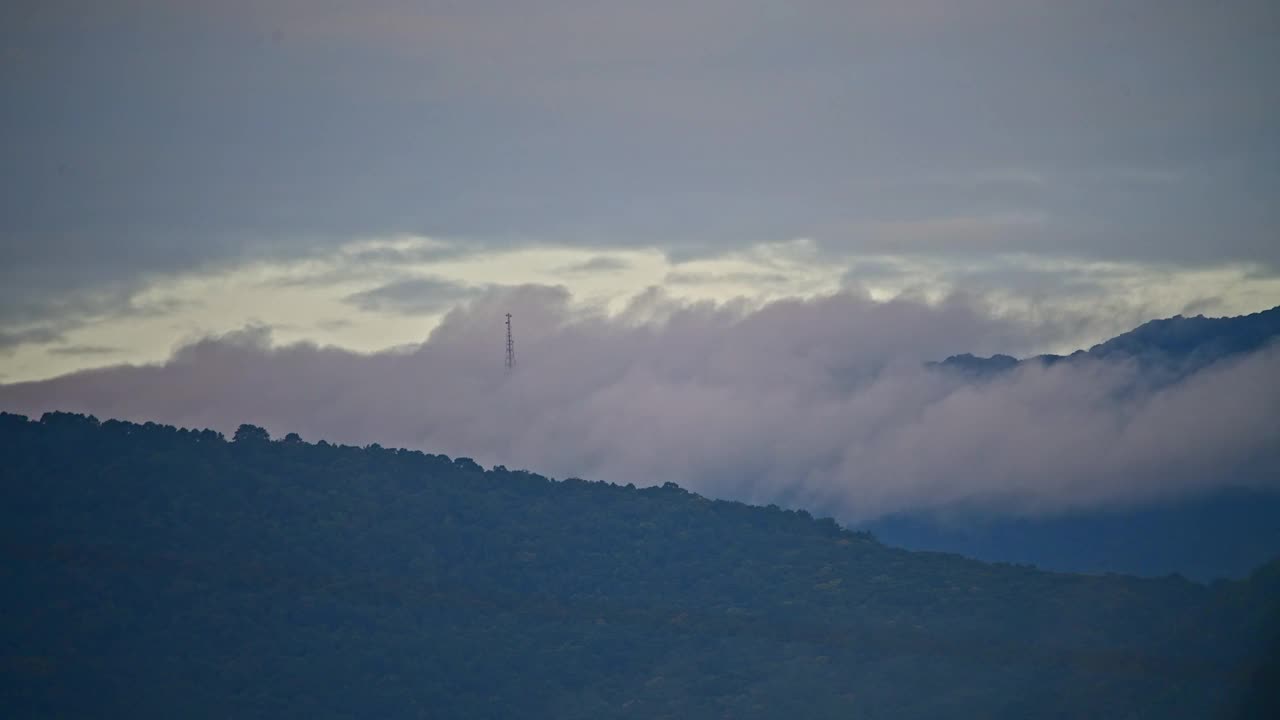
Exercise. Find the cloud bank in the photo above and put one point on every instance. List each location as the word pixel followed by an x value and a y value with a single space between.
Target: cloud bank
pixel 823 403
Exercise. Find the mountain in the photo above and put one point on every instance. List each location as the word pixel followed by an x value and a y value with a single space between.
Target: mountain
pixel 1222 533
pixel 1193 343
pixel 1176 346
pixel 152 571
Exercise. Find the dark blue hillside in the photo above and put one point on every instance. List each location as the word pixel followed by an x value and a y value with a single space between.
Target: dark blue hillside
pixel 150 571
pixel 1175 346
pixel 1218 534
pixel 1224 534
pixel 1196 341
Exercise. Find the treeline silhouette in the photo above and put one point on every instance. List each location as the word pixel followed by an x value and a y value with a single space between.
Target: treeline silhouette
pixel 151 571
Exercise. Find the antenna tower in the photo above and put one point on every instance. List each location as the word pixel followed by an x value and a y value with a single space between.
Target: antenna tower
pixel 511 347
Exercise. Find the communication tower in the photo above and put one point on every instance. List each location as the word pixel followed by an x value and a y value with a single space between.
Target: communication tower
pixel 511 347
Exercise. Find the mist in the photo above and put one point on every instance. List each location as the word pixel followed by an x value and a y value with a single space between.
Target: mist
pixel 824 403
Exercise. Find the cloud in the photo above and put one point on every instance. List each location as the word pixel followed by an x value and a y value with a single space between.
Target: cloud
pixel 599 263
pixel 823 402
pixel 417 296
pixel 43 317
pixel 756 279
pixel 369 294
pixel 993 232
pixel 269 130
pixel 85 350
pixel 39 335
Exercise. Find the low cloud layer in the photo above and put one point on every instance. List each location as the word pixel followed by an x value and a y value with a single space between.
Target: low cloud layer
pixel 822 403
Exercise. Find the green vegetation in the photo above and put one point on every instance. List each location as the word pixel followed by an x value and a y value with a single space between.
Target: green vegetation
pixel 156 572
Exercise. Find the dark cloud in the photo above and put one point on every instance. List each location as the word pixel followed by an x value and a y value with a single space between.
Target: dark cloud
pixel 39 335
pixel 598 264
pixel 1037 283
pixel 684 277
pixel 412 297
pixel 861 272
pixel 35 315
pixel 83 350
pixel 821 402
pixel 144 137
pixel 24 305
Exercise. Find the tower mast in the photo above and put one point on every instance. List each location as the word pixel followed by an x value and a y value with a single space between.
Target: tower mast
pixel 511 347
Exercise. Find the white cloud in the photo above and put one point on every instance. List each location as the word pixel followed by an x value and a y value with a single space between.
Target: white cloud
pixel 1070 302
pixel 822 402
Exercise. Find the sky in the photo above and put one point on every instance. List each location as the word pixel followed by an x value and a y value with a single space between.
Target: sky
pixel 336 178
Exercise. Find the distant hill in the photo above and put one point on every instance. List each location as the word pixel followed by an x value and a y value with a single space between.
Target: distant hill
pixel 1224 533
pixel 1193 342
pixel 157 572
pixel 1221 534
pixel 1176 346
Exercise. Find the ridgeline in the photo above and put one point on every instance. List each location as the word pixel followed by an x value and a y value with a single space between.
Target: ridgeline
pixel 157 572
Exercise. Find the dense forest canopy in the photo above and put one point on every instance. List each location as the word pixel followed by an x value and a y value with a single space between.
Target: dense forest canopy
pixel 151 571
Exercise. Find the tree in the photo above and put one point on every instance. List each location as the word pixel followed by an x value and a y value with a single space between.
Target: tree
pixel 251 433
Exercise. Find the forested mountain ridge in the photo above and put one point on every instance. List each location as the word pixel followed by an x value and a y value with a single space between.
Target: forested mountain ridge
pixel 1173 347
pixel 1221 531
pixel 1206 536
pixel 152 571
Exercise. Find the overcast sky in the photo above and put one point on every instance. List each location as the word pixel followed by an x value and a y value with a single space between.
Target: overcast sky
pixel 345 172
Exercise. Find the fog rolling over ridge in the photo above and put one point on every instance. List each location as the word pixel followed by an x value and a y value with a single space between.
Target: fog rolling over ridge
pixel 827 403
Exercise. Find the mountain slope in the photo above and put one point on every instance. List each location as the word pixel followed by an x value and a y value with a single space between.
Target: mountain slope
pixel 1174 347
pixel 1195 341
pixel 1205 535
pixel 152 571
pixel 1223 534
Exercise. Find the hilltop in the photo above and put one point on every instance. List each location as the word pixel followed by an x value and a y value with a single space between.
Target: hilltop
pixel 1175 347
pixel 1223 532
